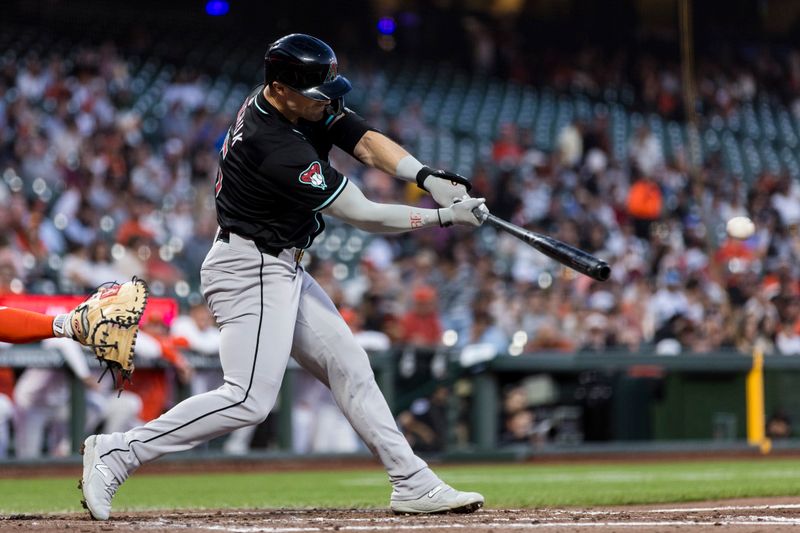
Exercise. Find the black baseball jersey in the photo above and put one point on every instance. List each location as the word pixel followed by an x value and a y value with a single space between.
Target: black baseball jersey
pixel 274 177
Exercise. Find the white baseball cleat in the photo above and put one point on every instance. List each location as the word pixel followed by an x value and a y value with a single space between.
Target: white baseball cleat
pixel 441 499
pixel 98 483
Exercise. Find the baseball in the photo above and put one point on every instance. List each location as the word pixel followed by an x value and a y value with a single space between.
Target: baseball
pixel 740 227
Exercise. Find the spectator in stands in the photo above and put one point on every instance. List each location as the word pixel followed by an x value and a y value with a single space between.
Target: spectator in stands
pixel 41 400
pixel 318 425
pixel 370 340
pixel 484 330
pixel 644 204
pixel 755 332
pixel 598 337
pixel 197 331
pixel 520 425
pixel 786 200
pixel 457 290
pixel 569 145
pixel 646 152
pixel 6 407
pixel 420 325
pixel 668 301
pixel 734 263
pixel 425 424
pixel 153 385
pixel 88 267
pixel 779 425
pixel 418 434
pixel 549 337
pixel 506 150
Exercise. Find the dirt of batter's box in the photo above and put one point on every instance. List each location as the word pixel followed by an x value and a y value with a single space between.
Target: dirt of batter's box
pixel 752 516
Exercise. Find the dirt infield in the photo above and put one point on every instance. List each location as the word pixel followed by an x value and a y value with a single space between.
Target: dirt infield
pixel 760 515
pixel 748 515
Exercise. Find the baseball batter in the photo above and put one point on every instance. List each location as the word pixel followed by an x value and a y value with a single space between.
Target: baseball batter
pixel 273 184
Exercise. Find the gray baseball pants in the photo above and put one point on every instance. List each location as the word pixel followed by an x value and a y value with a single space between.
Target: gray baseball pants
pixel 267 309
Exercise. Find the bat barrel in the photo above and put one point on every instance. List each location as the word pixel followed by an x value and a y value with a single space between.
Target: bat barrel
pixel 602 271
pixel 562 252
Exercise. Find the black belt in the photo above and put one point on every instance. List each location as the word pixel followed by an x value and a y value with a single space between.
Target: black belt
pixel 225 236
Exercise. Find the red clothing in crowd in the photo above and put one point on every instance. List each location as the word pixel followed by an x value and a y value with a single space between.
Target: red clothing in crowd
pixel 423 330
pixel 7 381
pixel 152 384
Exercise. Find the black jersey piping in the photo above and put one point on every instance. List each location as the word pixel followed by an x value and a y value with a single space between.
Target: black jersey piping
pixel 249 385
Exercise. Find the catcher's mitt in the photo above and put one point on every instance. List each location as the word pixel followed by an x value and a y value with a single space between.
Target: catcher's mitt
pixel 108 322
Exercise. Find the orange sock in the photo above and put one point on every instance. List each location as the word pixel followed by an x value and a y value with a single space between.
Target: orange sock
pixel 19 327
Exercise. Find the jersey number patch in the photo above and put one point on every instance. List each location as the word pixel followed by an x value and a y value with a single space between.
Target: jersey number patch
pixel 313 176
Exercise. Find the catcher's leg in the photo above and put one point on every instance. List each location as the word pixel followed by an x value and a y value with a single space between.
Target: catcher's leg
pixel 325 346
pixel 254 298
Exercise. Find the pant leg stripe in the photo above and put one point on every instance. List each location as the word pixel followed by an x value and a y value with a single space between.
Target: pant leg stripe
pixel 249 385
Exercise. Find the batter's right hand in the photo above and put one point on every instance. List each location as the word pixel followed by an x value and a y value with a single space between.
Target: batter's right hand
pixel 461 213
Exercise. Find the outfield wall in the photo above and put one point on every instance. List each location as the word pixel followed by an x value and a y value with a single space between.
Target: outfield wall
pixel 616 401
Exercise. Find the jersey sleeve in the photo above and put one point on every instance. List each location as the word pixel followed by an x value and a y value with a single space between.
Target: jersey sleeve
pixel 304 179
pixel 345 132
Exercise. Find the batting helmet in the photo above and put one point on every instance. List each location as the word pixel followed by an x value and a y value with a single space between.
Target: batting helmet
pixel 307 65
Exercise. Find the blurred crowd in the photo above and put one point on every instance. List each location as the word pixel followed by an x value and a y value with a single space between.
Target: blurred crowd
pixel 91 192
pixel 646 78
pixel 87 197
pixel 679 283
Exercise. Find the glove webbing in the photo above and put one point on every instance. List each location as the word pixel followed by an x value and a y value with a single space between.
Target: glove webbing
pixel 114 366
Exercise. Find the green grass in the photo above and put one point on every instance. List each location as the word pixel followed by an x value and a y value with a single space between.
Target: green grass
pixel 506 485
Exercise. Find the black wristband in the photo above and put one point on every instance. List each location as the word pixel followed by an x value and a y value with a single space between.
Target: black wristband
pixel 442 224
pixel 452 177
pixel 423 173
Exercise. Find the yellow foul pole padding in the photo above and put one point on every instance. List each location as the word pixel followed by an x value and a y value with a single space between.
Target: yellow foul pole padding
pixel 756 424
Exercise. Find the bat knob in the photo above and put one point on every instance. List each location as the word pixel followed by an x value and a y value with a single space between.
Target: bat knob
pixel 601 271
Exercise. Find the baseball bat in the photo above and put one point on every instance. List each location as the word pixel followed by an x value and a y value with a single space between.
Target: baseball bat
pixel 578 260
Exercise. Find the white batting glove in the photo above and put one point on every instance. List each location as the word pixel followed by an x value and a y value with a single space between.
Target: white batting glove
pixel 483 212
pixel 444 191
pixel 461 212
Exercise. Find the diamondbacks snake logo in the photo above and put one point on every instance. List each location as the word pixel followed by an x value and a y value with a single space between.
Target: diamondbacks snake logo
pixel 313 176
pixel 333 71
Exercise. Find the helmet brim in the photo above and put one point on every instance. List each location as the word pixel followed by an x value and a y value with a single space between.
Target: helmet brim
pixel 331 90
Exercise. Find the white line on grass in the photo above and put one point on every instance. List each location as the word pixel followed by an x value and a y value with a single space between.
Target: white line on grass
pixel 594 477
